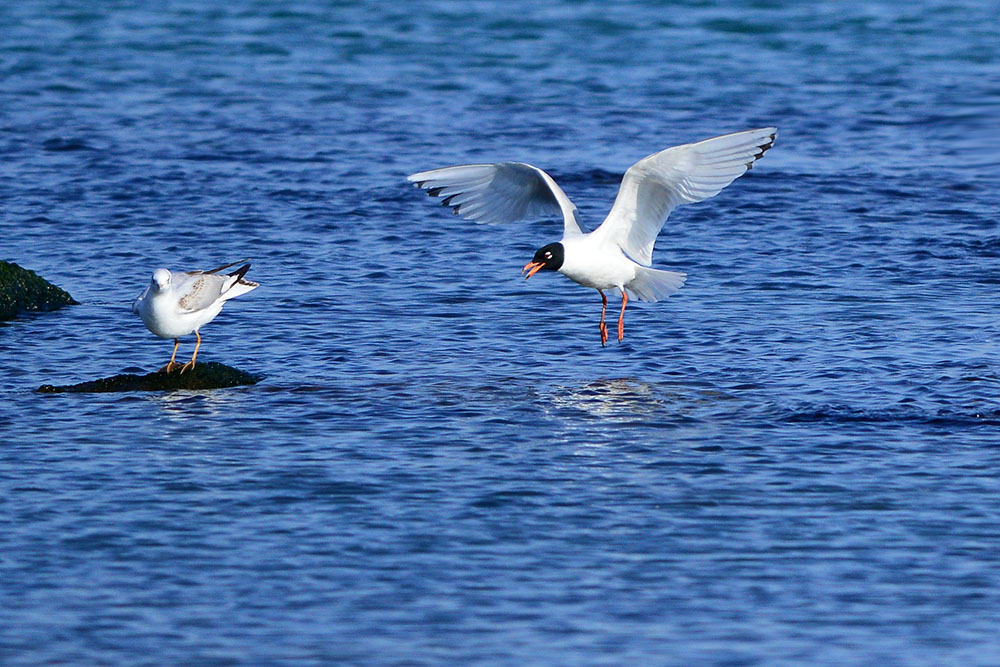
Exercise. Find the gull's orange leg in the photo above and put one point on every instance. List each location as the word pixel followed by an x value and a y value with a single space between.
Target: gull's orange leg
pixel 621 317
pixel 604 327
pixel 170 364
pixel 190 365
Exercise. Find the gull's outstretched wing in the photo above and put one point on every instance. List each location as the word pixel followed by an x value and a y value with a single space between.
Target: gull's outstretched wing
pixel 654 186
pixel 500 192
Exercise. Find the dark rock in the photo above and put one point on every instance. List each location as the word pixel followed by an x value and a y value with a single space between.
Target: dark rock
pixel 206 375
pixel 23 291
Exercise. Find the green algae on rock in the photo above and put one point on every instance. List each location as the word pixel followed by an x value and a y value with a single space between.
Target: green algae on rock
pixel 206 375
pixel 23 290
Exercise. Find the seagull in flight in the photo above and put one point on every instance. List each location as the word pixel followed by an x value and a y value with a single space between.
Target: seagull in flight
pixel 618 253
pixel 174 304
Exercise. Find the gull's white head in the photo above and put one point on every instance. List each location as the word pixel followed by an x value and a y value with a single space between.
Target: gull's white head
pixel 161 278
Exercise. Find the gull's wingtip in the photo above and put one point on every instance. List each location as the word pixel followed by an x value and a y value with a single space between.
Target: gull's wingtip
pixel 240 272
pixel 420 177
pixel 224 266
pixel 772 134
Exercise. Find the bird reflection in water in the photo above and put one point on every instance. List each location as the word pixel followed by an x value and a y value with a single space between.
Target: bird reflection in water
pixel 616 397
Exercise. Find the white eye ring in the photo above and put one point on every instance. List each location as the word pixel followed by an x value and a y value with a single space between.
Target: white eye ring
pixel 548 255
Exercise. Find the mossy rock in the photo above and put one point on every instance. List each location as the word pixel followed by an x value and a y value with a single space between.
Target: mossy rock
pixel 23 291
pixel 207 375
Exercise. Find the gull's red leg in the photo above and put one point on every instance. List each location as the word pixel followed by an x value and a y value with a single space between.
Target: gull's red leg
pixel 621 317
pixel 604 327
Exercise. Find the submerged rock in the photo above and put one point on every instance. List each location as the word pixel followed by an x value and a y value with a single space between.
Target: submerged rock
pixel 22 290
pixel 208 375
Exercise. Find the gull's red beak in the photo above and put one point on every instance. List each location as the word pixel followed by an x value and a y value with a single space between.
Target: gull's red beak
pixel 534 267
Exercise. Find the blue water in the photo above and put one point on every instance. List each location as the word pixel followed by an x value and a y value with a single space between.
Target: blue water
pixel 794 460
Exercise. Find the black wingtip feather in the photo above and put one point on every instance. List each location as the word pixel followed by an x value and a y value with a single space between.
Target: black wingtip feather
pixel 763 148
pixel 240 272
pixel 224 266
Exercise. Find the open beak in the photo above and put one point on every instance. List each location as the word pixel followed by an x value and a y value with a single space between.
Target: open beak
pixel 534 267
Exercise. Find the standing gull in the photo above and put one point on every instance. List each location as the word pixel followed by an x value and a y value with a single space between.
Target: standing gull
pixel 174 304
pixel 618 253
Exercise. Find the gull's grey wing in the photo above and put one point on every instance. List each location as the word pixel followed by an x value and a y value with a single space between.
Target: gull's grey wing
pixel 196 290
pixel 657 184
pixel 500 192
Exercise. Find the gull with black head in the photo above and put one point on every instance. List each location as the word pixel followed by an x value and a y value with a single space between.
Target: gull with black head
pixel 618 253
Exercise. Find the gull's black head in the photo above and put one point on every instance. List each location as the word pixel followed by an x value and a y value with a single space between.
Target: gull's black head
pixel 548 258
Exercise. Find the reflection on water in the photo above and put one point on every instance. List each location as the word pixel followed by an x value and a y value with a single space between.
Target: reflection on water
pixel 628 397
pixel 196 402
pixel 612 398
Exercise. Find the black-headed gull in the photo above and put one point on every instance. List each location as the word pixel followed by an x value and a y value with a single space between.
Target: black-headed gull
pixel 174 304
pixel 618 253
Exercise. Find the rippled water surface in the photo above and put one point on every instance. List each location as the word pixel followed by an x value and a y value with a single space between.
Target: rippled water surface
pixel 794 460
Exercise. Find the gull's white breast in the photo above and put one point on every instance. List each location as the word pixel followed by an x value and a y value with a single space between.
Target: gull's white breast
pixel 592 263
pixel 161 315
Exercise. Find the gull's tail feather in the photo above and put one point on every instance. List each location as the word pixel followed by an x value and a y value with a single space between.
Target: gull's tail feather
pixel 654 284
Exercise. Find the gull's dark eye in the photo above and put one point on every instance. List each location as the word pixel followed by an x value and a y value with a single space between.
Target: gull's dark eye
pixel 548 255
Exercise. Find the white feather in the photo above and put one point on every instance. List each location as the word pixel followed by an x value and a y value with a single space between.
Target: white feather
pixel 498 193
pixel 655 185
